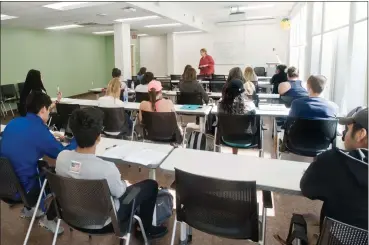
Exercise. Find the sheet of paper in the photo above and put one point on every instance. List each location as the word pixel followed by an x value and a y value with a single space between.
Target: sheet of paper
pixel 120 151
pixel 146 157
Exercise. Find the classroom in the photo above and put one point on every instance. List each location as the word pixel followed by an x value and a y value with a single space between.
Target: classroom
pixel 170 122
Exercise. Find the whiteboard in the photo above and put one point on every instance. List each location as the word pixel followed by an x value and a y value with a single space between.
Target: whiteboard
pixel 229 53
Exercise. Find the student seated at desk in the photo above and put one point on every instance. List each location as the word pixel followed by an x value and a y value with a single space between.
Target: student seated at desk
pixel 116 73
pixel 82 163
pixel 190 84
pixel 111 100
pixel 339 178
pixel 293 87
pixel 141 73
pixel 250 75
pixel 279 77
pixel 314 106
pixel 157 104
pixel 185 69
pixel 237 100
pixel 26 140
pixel 142 87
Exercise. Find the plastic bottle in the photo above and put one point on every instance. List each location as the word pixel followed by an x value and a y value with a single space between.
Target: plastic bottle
pixel 125 95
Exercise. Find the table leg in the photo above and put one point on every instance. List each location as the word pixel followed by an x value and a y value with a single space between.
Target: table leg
pixel 183 236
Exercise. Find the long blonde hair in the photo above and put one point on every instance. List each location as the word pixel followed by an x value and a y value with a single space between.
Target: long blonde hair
pixel 113 88
pixel 249 74
pixel 249 89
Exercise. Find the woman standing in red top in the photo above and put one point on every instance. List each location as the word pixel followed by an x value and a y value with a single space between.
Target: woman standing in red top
pixel 206 64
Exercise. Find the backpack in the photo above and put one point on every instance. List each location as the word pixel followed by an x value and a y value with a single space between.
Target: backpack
pixel 164 206
pixel 297 231
pixel 200 141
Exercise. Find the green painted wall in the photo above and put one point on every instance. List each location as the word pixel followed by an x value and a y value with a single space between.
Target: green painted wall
pixel 70 61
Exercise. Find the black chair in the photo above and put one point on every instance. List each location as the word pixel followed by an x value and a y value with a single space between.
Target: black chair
pixel 175 77
pixel 239 131
pixel 115 121
pixel 160 127
pixel 309 137
pixel 189 98
pixel 87 203
pixel 216 86
pixel 218 78
pixel 9 95
pixel 142 97
pixel 20 88
pixel 64 112
pixel 167 84
pixel 260 71
pixel 134 78
pixel 287 100
pixel 220 207
pixel 337 233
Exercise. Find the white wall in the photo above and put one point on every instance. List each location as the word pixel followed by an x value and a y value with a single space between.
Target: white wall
pixel 153 54
pixel 258 43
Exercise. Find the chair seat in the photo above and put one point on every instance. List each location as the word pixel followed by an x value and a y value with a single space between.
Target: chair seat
pixel 305 152
pixel 237 142
pixel 105 230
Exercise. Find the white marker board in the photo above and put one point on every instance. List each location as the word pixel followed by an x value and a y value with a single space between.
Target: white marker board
pixel 229 53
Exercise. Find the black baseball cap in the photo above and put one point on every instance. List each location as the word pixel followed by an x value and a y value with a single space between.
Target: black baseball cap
pixel 360 117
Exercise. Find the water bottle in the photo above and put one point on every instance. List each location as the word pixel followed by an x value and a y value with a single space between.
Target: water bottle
pixel 125 95
pixel 133 85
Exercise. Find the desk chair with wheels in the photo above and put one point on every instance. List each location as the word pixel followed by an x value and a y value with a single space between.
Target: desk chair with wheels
pixel 9 95
pixel 216 86
pixel 224 208
pixel 239 131
pixel 309 137
pixel 161 127
pixel 260 71
pixel 64 112
pixel 78 206
pixel 189 98
pixel 337 233
pixel 142 96
pixel 115 121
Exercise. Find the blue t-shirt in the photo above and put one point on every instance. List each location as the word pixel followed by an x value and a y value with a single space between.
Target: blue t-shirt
pixel 24 141
pixel 313 108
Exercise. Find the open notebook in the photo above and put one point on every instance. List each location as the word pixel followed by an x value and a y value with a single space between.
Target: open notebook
pixel 133 154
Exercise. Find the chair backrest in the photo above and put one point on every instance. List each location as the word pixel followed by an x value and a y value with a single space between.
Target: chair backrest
pixel 337 233
pixel 114 119
pixel 82 203
pixel 134 78
pixel 9 183
pixel 142 96
pixel 167 84
pixel 20 87
pixel 260 71
pixel 218 77
pixel 175 77
pixel 239 126
pixel 159 126
pixel 309 137
pixel 203 77
pixel 215 206
pixel 216 86
pixel 189 98
pixel 8 91
pixel 65 111
pixel 287 100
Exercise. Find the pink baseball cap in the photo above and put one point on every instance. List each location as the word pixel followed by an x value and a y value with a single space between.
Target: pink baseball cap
pixel 154 85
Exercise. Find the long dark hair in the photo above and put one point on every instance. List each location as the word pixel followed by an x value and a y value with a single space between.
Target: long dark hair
pixel 33 82
pixel 185 69
pixel 235 74
pixel 148 77
pixel 142 71
pixel 152 98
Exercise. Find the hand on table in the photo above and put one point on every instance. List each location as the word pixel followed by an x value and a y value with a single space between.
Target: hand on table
pixel 59 136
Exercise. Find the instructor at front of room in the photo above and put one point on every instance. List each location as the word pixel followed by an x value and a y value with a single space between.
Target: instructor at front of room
pixel 206 64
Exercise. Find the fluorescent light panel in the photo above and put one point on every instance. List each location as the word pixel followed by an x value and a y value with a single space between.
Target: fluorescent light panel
pixel 65 5
pixel 103 32
pixel 150 17
pixel 7 17
pixel 63 27
pixel 256 7
pixel 183 32
pixel 142 35
pixel 163 25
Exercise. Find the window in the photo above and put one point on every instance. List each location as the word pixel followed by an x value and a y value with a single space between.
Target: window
pixel 361 10
pixel 327 61
pixel 317 17
pixel 315 55
pixel 336 14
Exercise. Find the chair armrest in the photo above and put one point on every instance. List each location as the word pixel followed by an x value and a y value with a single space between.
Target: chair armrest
pixel 267 199
pixel 131 196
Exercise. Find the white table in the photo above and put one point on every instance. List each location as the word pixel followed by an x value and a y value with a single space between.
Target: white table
pixel 280 176
pixel 268 96
pixel 132 147
pixel 264 110
pixel 210 94
pixel 264 78
pixel 200 81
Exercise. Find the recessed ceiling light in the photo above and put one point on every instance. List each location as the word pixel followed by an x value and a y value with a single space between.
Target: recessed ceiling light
pixel 64 27
pixel 163 25
pixel 256 7
pixel 71 5
pixel 260 17
pixel 7 17
pixel 142 35
pixel 103 32
pixel 138 18
pixel 182 32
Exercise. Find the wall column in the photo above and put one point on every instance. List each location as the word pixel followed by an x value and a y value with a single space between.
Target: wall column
pixel 171 61
pixel 122 49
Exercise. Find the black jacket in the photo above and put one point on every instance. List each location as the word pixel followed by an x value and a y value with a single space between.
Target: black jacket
pixel 277 79
pixel 340 179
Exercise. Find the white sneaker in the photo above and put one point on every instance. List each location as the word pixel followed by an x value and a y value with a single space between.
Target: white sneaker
pixel 25 213
pixel 50 225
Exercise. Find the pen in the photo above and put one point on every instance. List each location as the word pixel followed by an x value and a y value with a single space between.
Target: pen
pixel 110 147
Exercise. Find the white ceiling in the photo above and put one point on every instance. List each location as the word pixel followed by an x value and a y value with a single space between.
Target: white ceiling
pixel 33 15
